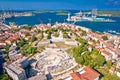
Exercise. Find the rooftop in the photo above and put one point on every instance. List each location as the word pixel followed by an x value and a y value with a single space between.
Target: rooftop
pixel 85 73
pixel 15 68
pixel 38 77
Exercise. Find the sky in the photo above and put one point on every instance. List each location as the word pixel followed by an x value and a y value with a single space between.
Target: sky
pixel 60 4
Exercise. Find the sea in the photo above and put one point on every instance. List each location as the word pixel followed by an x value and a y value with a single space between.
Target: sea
pixel 45 17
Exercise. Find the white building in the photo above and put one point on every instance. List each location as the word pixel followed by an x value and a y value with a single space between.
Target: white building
pixel 118 74
pixel 15 70
pixel 107 55
pixel 38 77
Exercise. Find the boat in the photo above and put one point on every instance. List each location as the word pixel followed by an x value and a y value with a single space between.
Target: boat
pixel 112 31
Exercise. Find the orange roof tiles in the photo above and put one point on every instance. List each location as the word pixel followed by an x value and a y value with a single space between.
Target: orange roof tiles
pixel 112 69
pixel 15 36
pixel 75 76
pixel 89 74
pixel 113 50
pixel 105 52
pixel 99 49
pixel 13 58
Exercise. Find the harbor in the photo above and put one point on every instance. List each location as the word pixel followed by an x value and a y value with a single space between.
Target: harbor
pixel 101 26
pixel 59 40
pixel 89 17
pixel 10 15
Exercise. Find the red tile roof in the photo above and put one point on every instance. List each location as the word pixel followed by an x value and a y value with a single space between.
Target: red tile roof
pixel 105 52
pixel 89 74
pixel 13 37
pixel 113 50
pixel 13 58
pixel 75 76
pixel 99 49
pixel 112 69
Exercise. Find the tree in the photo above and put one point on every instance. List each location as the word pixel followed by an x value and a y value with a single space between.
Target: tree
pixel 65 35
pixel 79 29
pixel 87 58
pixel 104 37
pixel 110 77
pixel 83 33
pixel 109 64
pixel 92 63
pixel 94 51
pixel 22 42
pixel 99 60
pixel 27 34
pixel 49 35
pixel 33 38
pixel 56 34
pixel 31 50
pixel 27 49
pixel 79 60
pixel 4 76
pixel 27 27
pixel 76 52
pixel 7 50
pixel 81 40
pixel 24 48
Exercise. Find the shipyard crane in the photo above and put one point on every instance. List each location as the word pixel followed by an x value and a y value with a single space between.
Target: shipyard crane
pixel 94 13
pixel 68 19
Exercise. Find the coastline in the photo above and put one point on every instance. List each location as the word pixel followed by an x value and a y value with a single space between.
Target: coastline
pixel 38 18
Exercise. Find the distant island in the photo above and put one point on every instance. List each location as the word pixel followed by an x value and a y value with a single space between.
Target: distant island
pixel 50 11
pixel 62 13
pixel 23 14
pixel 113 13
pixel 109 13
pixel 58 12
